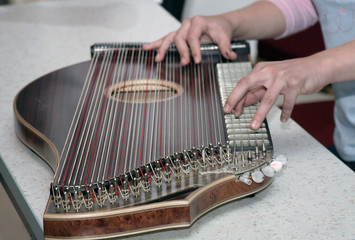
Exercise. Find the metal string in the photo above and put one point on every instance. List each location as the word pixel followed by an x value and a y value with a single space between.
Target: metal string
pixel 84 146
pixel 78 111
pixel 113 116
pixel 98 108
pixel 121 128
pixel 215 102
pixel 100 160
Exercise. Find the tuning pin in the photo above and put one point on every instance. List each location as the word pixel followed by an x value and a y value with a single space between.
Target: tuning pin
pixel 268 171
pixel 250 157
pixel 257 176
pixel 263 149
pixel 210 147
pixel 256 152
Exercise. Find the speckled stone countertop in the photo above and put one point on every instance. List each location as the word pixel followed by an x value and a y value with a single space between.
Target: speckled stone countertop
pixel 313 198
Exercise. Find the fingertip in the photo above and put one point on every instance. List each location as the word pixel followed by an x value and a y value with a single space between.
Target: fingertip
pixel 232 55
pixel 145 46
pixel 197 59
pixel 255 124
pixel 227 108
pixel 237 113
pixel 185 60
pixel 284 119
pixel 152 45
pixel 158 57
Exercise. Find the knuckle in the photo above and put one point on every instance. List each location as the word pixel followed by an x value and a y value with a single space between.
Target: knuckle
pixel 260 65
pixel 176 38
pixel 186 21
pixel 197 19
pixel 244 82
pixel 190 38
pixel 292 83
pixel 271 69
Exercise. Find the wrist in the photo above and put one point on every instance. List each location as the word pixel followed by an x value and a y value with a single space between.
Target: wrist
pixel 337 64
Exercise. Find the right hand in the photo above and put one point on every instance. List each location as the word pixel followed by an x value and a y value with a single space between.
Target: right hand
pixel 194 32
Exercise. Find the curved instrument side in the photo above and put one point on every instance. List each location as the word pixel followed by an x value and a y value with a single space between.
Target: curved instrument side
pixel 44 110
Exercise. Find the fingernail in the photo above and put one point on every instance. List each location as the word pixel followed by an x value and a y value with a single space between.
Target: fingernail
pixel 184 61
pixel 283 119
pixel 227 52
pixel 196 59
pixel 253 124
pixel 157 57
pixel 226 108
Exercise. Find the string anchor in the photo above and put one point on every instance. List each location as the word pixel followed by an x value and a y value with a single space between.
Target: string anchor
pixel 125 189
pixel 78 199
pixel 90 197
pixel 185 162
pixel 219 156
pixel 167 173
pixel 112 192
pixel 228 155
pixel 135 187
pixel 101 195
pixel 146 180
pixel 67 200
pixel 57 198
pixel 176 167
pixel 194 161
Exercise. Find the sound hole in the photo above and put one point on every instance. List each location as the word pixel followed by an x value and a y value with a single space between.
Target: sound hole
pixel 141 91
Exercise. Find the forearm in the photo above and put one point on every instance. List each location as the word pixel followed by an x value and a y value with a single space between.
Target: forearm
pixel 259 20
pixel 337 64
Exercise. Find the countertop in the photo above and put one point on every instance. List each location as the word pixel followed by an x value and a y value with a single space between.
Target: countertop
pixel 312 198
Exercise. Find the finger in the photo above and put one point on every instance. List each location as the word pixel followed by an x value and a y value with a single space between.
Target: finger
pixel 238 92
pixel 180 42
pixel 153 45
pixel 266 104
pixel 287 108
pixel 251 98
pixel 164 46
pixel 238 110
pixel 254 96
pixel 197 30
pixel 224 43
pixel 205 39
pixel 249 82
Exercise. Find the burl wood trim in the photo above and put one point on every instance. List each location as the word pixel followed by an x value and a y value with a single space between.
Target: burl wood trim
pixel 222 193
pixel 118 225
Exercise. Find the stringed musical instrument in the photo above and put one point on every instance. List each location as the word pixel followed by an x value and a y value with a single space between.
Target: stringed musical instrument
pixel 139 146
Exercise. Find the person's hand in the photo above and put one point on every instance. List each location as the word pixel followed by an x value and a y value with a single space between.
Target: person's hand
pixel 193 32
pixel 269 79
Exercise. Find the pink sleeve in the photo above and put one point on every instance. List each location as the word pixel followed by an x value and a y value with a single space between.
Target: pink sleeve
pixel 299 14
